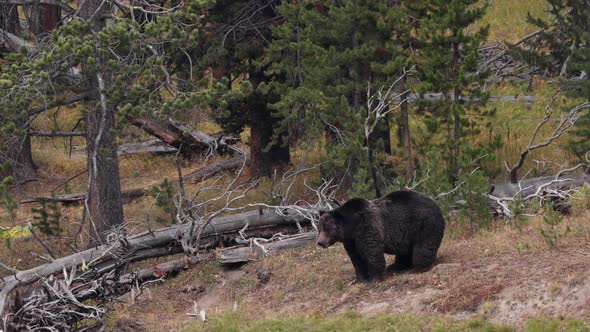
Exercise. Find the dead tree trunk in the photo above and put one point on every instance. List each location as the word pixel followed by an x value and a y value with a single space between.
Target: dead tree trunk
pixel 156 243
pixel 193 142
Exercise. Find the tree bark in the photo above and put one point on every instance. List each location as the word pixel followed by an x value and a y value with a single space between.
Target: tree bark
pixel 105 209
pixel 9 20
pixel 267 150
pixel 18 153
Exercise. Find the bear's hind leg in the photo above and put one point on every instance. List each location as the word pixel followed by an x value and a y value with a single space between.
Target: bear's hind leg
pixel 402 263
pixel 423 257
pixel 360 267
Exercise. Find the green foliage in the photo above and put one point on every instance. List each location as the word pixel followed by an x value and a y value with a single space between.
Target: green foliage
pixel 551 231
pixel 564 49
pixel 351 321
pixel 581 198
pixel 164 195
pixel 47 218
pixel 449 60
pixel 7 202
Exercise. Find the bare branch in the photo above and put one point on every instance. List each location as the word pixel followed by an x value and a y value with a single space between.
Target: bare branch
pixel 565 123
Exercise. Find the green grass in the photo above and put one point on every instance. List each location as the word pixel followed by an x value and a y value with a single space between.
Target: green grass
pixel 237 321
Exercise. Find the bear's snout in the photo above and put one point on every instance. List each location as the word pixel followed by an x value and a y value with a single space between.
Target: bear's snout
pixel 322 244
pixel 323 240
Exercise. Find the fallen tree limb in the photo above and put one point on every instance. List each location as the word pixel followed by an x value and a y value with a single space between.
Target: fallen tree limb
pixel 13 42
pixel 127 195
pixel 153 146
pixel 149 244
pixel 257 250
pixel 547 187
pixel 433 97
pixel 180 135
pixel 530 186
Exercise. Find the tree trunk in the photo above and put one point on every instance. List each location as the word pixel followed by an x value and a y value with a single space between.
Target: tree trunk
pixel 9 20
pixel 267 152
pixel 105 209
pixel 18 153
pixel 49 16
pixel 265 158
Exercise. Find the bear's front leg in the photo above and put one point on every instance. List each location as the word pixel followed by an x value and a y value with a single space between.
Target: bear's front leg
pixel 360 267
pixel 373 256
pixel 376 267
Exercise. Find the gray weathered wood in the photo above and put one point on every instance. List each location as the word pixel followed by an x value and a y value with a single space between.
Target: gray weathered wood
pixel 153 146
pixel 74 199
pixel 243 254
pixel 530 186
pixel 161 242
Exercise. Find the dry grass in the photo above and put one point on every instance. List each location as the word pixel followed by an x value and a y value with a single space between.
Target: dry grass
pixel 508 19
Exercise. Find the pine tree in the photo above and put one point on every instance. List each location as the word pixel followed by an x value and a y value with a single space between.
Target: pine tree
pixel 322 57
pixel 449 58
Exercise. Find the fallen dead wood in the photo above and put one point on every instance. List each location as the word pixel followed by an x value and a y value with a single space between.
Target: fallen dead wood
pixel 544 188
pixel 258 249
pixel 156 243
pixel 153 146
pixel 433 97
pixel 46 304
pixel 179 135
pixel 528 187
pixel 128 195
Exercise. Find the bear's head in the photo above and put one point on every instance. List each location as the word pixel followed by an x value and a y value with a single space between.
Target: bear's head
pixel 328 228
pixel 339 224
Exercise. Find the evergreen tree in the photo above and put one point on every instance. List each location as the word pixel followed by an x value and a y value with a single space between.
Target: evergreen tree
pixel 240 32
pixel 449 57
pixel 321 59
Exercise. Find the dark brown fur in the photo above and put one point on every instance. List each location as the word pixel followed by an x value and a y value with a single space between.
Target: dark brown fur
pixel 403 223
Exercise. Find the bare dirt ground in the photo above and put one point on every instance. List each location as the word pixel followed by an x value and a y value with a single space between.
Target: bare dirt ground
pixel 478 276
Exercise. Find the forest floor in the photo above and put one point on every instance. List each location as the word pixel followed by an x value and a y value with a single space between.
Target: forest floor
pixel 501 274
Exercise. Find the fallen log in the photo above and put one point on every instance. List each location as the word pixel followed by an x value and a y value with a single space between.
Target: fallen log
pixel 433 97
pixel 256 251
pixel 530 186
pixel 153 147
pixel 158 131
pixel 128 195
pixel 545 188
pixel 179 135
pixel 150 244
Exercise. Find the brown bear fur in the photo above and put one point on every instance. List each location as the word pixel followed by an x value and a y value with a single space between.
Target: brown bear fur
pixel 404 223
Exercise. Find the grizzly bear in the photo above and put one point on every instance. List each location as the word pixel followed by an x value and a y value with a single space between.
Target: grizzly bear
pixel 404 223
